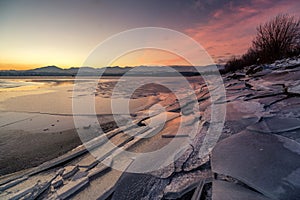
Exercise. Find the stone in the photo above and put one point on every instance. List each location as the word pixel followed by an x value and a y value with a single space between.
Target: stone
pixel 222 190
pixel 267 163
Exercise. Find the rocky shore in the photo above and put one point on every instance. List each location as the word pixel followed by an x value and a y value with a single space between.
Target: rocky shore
pixel 257 156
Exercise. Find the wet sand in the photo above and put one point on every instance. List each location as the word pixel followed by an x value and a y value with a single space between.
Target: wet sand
pixel 22 149
pixel 36 122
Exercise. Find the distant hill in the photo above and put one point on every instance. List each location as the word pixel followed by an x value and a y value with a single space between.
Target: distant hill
pixel 108 71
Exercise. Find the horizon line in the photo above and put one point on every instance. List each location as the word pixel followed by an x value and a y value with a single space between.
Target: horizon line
pixel 130 66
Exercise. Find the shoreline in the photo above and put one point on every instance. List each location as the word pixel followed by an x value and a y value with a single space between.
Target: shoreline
pixel 31 150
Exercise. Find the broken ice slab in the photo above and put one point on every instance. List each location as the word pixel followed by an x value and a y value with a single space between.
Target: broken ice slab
pixel 99 188
pixel 97 171
pixel 79 175
pixel 190 119
pixel 191 159
pixel 69 171
pixel 237 86
pixel 262 73
pixel 71 188
pixel 103 180
pixel 108 148
pixel 198 191
pixel 295 90
pixel 160 119
pixel 184 183
pixel 182 158
pixel 133 186
pixel 88 162
pixel 268 163
pixel 31 192
pixel 240 110
pixel 161 162
pixel 293 135
pixel 275 125
pixel 288 111
pixel 268 101
pixel 265 85
pixel 240 114
pixel 29 188
pixel 222 190
pixel 12 183
pixel 174 136
pixel 57 182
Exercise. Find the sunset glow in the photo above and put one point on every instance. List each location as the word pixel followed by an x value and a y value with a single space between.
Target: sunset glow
pixel 149 57
pixel 36 33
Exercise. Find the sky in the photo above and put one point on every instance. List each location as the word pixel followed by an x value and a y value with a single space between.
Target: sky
pixel 36 33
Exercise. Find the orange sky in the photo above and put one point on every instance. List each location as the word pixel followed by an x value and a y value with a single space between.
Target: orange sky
pixel 36 33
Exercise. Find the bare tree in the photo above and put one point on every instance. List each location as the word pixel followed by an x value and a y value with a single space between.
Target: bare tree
pixel 277 38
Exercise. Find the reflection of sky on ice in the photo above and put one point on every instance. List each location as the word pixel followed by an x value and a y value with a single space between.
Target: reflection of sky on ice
pixel 14 83
pixel 46 104
pixel 42 101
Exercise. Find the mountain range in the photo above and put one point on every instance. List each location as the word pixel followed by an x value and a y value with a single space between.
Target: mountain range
pixel 108 71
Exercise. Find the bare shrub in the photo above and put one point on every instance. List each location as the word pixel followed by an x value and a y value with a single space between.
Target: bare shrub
pixel 276 39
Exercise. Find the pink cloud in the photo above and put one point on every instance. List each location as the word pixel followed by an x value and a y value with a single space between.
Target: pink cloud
pixel 218 13
pixel 231 30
